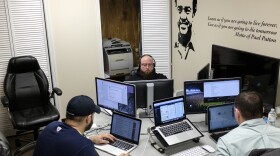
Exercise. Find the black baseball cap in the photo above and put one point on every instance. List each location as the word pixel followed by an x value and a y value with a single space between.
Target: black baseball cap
pixel 81 105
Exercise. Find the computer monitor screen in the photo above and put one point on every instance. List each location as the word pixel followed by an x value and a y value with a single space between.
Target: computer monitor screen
pixel 258 72
pixel 116 96
pixel 221 118
pixel 204 72
pixel 163 88
pixel 200 94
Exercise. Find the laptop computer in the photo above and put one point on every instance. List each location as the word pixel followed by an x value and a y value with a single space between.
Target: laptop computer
pixel 171 124
pixel 220 120
pixel 127 130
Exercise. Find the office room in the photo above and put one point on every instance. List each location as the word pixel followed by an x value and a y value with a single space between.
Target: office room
pixel 74 39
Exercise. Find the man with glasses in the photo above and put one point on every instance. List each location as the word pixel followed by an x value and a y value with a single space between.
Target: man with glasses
pixel 146 70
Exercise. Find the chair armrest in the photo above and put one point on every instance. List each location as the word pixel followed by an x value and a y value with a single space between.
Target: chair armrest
pixel 57 91
pixel 5 101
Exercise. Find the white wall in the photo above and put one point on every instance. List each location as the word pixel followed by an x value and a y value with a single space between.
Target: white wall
pixel 205 35
pixel 76 40
pixel 76 46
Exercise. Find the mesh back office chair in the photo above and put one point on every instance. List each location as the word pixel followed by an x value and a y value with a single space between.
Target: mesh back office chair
pixel 27 97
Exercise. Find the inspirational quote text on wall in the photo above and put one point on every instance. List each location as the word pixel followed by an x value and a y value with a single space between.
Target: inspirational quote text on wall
pixel 249 29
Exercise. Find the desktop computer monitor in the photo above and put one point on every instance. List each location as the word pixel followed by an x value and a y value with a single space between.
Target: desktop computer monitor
pixel 204 73
pixel 200 94
pixel 162 88
pixel 258 72
pixel 116 96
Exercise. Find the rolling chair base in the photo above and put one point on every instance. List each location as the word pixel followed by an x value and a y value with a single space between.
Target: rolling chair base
pixel 25 148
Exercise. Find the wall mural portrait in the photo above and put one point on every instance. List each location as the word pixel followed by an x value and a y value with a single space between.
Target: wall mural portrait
pixel 186 10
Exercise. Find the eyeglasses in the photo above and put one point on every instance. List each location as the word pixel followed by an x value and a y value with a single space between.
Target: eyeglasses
pixel 147 65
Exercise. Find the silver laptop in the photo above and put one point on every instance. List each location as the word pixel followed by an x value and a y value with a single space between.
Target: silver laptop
pixel 127 131
pixel 171 125
pixel 220 120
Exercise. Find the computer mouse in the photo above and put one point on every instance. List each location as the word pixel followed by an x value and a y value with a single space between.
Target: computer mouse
pixel 208 148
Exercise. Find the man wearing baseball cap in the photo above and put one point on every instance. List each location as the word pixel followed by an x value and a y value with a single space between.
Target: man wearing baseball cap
pixel 67 138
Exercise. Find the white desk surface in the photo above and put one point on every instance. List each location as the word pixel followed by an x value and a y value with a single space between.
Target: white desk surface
pixel 144 148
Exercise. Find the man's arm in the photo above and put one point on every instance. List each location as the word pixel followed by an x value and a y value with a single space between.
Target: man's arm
pixel 102 138
pixel 88 150
pixel 221 149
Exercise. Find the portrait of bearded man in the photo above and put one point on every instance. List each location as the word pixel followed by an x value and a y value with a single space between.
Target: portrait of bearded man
pixel 186 10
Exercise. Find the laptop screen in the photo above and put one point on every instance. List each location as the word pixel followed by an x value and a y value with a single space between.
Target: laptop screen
pixel 126 128
pixel 221 118
pixel 169 110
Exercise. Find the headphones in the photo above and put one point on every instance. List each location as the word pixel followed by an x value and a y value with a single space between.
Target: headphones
pixel 154 62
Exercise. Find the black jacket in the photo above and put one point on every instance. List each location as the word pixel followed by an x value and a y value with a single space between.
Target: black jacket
pixel 134 76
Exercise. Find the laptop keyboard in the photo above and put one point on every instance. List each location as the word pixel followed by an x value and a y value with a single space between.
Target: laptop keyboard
pixel 121 144
pixel 175 128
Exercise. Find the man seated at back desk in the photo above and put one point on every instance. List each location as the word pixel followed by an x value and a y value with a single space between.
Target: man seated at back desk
pixel 146 70
pixel 252 132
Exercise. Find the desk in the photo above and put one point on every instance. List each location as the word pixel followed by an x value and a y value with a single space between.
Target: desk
pixel 144 148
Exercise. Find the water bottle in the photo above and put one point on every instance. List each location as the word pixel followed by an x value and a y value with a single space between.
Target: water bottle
pixel 272 117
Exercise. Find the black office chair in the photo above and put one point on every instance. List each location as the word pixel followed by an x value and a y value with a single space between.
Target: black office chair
pixel 27 97
pixel 265 152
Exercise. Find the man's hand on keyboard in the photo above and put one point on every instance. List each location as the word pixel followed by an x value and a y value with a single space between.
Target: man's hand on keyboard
pixel 104 138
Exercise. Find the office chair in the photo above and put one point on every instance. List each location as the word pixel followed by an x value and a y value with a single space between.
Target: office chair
pixel 265 152
pixel 5 148
pixel 27 97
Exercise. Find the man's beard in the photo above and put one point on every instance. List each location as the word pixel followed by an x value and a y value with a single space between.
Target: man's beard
pixel 147 76
pixel 184 39
pixel 89 126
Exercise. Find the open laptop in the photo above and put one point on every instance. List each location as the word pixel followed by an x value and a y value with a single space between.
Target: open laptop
pixel 171 125
pixel 127 132
pixel 220 120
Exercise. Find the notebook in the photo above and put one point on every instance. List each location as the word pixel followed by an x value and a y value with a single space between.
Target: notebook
pixel 171 125
pixel 220 120
pixel 127 132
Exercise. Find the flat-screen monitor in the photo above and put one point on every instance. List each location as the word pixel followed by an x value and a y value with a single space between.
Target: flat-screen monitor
pixel 259 73
pixel 204 72
pixel 221 118
pixel 116 96
pixel 200 94
pixel 163 88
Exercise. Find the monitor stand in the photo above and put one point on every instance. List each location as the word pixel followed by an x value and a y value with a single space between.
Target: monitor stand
pixel 150 99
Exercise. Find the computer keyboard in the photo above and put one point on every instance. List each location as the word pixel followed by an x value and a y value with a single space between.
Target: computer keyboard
pixel 175 128
pixel 194 151
pixel 121 144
